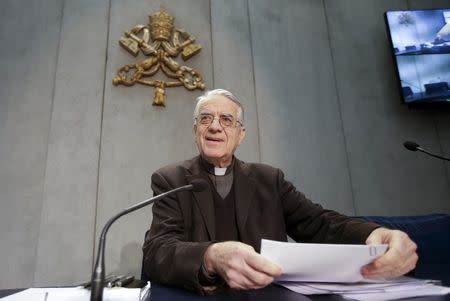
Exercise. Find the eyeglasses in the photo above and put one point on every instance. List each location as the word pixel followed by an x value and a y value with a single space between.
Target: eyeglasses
pixel 225 120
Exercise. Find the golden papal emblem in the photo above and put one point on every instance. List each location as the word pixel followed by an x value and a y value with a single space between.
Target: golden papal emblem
pixel 162 44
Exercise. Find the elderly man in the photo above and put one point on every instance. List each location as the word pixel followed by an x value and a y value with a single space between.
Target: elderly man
pixel 204 240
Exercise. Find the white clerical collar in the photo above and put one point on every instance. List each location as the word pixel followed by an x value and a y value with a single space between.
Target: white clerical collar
pixel 218 171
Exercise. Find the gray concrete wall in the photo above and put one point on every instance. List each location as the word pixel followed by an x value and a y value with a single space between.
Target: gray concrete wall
pixel 28 63
pixel 70 186
pixel 316 78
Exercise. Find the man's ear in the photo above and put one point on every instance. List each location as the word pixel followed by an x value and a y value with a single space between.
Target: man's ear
pixel 194 128
pixel 241 135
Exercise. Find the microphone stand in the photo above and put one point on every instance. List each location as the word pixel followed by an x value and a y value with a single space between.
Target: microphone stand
pixel 432 155
pixel 98 275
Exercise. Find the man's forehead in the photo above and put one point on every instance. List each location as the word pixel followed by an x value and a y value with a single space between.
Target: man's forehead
pixel 218 103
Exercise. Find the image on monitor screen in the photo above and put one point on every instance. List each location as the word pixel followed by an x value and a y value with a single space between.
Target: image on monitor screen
pixel 420 41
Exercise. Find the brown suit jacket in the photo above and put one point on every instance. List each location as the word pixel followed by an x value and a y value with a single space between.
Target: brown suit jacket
pixel 267 206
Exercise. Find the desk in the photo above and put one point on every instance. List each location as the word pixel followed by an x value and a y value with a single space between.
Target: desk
pixel 269 293
pixel 7 292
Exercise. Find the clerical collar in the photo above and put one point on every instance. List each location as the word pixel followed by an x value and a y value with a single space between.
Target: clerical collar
pixel 217 171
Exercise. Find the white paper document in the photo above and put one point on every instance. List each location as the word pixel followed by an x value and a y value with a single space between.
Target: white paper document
pixel 370 290
pixel 428 290
pixel 320 262
pixel 73 294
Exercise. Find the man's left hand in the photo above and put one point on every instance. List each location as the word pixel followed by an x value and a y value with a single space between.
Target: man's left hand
pixel 400 258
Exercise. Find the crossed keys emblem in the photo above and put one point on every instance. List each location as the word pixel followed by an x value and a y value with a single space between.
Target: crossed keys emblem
pixel 161 44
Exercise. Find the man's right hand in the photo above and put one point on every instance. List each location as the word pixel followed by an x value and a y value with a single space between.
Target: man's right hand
pixel 240 265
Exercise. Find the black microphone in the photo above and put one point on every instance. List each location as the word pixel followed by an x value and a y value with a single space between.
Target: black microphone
pixel 98 275
pixel 412 146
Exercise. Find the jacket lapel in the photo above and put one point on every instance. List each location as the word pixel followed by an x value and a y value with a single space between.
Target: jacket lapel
pixel 204 199
pixel 244 189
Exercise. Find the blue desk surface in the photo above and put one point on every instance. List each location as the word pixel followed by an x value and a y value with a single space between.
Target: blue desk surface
pixel 270 293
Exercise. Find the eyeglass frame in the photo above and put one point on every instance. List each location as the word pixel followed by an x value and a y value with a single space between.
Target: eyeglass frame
pixel 235 120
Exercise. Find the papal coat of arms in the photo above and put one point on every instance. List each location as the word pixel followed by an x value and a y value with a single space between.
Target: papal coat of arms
pixel 162 44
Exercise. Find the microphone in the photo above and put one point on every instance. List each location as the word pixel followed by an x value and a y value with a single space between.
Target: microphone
pixel 413 146
pixel 98 275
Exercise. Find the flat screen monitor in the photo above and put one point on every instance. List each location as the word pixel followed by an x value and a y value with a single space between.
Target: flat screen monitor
pixel 420 41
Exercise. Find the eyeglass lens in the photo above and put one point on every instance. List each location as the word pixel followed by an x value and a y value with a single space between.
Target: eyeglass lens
pixel 207 119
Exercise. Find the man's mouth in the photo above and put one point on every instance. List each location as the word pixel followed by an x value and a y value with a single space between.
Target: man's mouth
pixel 213 139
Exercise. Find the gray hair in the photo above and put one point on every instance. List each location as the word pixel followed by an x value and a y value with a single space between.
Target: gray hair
pixel 209 94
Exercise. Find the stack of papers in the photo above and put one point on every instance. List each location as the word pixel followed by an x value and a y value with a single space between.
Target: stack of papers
pixel 74 294
pixel 370 290
pixel 335 269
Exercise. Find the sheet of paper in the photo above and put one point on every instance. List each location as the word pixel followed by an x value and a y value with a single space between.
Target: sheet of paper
pixel 402 287
pixel 320 262
pixel 73 294
pixel 407 292
pixel 367 286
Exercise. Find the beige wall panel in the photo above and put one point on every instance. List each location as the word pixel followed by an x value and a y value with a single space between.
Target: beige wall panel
pixel 64 254
pixel 298 112
pixel 27 62
pixel 138 138
pixel 233 66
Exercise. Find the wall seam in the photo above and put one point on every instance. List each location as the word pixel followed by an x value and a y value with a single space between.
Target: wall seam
pixel 212 45
pixel 338 100
pixel 101 134
pixel 254 82
pixel 36 251
pixel 441 148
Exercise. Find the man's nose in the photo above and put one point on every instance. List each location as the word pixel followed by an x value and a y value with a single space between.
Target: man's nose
pixel 215 125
